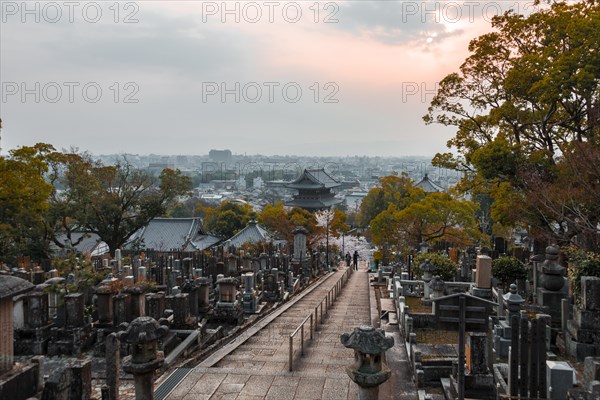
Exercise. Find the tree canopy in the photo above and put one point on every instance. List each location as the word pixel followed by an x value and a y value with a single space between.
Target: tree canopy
pixel 45 193
pixel 393 189
pixel 526 108
pixel 228 218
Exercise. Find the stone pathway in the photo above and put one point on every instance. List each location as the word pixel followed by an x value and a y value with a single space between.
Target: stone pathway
pixel 258 368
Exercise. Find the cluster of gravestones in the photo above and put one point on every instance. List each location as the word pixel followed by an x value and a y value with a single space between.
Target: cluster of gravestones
pixel 512 347
pixel 179 295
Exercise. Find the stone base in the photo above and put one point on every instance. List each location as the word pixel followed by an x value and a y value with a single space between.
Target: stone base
pixel 31 347
pixel 480 390
pixel 585 319
pixel 20 385
pixel 583 335
pixel 551 301
pixel 567 344
pixel 71 341
pixel 482 293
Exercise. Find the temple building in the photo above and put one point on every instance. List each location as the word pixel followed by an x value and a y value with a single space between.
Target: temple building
pixel 314 190
pixel 428 185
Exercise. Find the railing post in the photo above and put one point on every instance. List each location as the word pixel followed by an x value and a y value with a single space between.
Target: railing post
pixel 302 340
pixel 291 355
pixel 311 326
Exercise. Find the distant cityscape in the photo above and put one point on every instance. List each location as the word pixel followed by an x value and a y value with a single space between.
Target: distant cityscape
pixel 259 179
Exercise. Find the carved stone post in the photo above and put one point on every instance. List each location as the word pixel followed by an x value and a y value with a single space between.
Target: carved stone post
pixel 370 370
pixel 143 334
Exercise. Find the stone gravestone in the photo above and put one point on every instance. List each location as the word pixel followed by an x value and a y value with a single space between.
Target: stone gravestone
pixel 582 337
pixel 550 284
pixel 559 375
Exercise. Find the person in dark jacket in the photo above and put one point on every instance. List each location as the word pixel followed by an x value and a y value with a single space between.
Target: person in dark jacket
pixel 355 258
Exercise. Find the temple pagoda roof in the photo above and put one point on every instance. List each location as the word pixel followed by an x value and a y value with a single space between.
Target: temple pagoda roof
pixel 313 179
pixel 316 204
pixel 428 185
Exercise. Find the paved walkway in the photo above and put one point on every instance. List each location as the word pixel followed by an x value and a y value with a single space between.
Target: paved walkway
pixel 258 368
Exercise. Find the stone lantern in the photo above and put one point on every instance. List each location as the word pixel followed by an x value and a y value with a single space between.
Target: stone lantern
pixel 513 301
pixel 369 370
pixel 427 267
pixel 552 272
pixel 143 334
pixel 438 286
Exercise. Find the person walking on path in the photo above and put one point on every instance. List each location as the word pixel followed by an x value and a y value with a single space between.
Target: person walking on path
pixel 348 259
pixel 355 258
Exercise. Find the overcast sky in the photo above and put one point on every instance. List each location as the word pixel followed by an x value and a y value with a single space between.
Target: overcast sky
pixel 269 77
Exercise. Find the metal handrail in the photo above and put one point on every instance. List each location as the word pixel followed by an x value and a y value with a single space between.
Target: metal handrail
pixel 331 296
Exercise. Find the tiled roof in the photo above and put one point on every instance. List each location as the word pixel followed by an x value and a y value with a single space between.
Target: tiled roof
pixel 174 233
pixel 88 244
pixel 11 286
pixel 313 179
pixel 428 186
pixel 315 204
pixel 202 242
pixel 252 233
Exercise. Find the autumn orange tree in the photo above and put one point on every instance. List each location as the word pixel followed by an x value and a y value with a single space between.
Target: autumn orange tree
pixel 435 218
pixel 526 108
pixel 281 221
pixel 393 189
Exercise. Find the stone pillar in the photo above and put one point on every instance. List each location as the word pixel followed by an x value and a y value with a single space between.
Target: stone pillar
pixel 551 282
pixel 81 384
pixel 484 272
pixel 369 370
pixel 180 305
pixel 143 334
pixel 105 308
pixel 122 308
pixel 155 305
pixel 74 305
pixel 477 353
pixel 36 310
pixel 203 295
pixel 6 334
pixel 113 366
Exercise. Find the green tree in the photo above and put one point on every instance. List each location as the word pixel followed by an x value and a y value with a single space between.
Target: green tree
pixel 228 218
pixel 24 196
pixel 396 190
pixel 443 266
pixel 525 106
pixel 115 201
pixel 507 270
pixel 437 217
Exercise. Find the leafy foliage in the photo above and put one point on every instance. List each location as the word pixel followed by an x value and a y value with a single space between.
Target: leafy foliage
pixel 444 267
pixel 526 106
pixel 23 202
pixel 228 218
pixel 507 270
pixel 435 217
pixel 396 190
pixel 581 263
